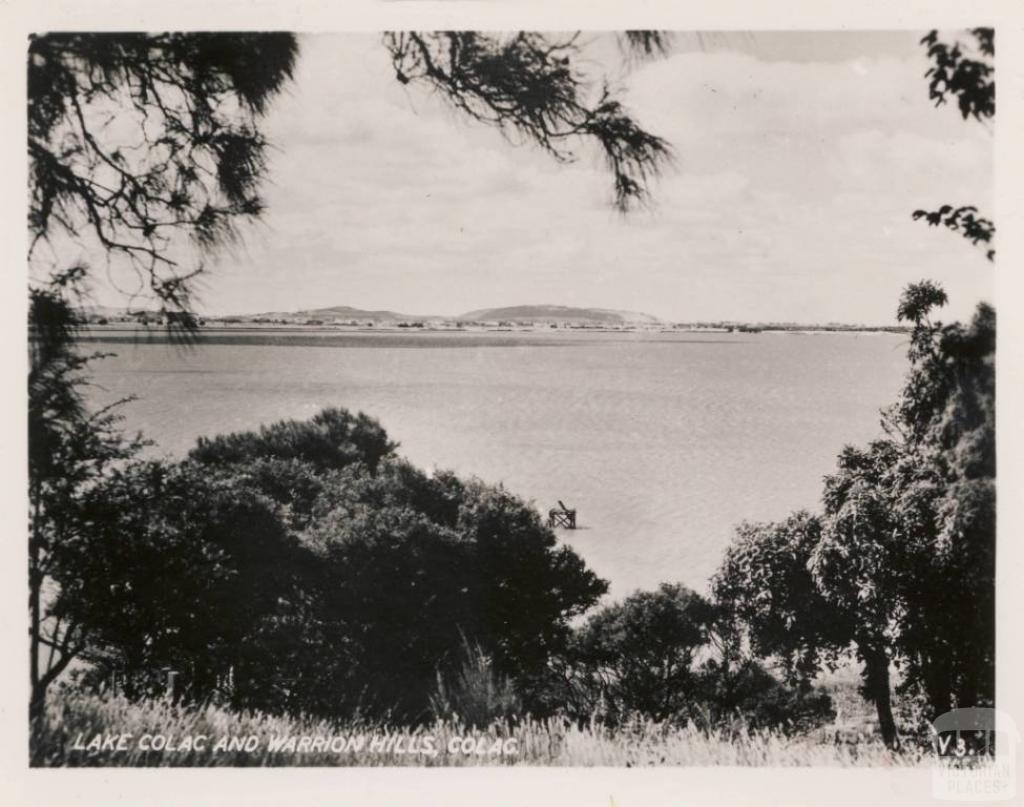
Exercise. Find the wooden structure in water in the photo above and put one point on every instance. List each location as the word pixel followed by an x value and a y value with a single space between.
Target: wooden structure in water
pixel 562 516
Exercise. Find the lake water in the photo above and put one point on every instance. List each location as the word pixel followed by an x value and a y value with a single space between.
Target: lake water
pixel 662 442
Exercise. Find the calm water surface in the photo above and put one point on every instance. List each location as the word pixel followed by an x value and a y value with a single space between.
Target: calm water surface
pixel 662 442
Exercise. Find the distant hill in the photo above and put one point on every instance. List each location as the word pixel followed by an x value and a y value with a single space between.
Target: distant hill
pixel 541 314
pixel 343 313
pixel 559 313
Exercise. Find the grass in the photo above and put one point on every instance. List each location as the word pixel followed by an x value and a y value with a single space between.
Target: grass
pixel 73 717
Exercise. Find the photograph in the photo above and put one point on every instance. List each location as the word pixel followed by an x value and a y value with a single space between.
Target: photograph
pixel 512 398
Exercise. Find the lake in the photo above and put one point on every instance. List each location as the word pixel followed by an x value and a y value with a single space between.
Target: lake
pixel 661 441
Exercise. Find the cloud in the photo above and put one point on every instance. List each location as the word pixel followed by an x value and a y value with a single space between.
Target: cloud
pixel 791 197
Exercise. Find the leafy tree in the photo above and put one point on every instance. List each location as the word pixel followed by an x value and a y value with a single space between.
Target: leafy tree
pixel 179 569
pixel 765 583
pixel 334 438
pixel 317 573
pixel 639 654
pixel 70 450
pixel 858 565
pixel 672 656
pixel 901 564
pixel 531 586
pixel 805 591
pixel 943 488
pixel 416 567
pixel 398 591
pixel 918 300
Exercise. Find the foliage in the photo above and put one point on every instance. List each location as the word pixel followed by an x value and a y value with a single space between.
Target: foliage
pixel 179 570
pixel 748 695
pixel 407 583
pixel 134 138
pixel 965 72
pixel 533 586
pixel 70 451
pixel 901 563
pixel 305 569
pixel 665 655
pixel 917 301
pixel 334 438
pixel 529 84
pixel 475 694
pixel 964 220
pixel 637 656
pixel 765 582
pixel 943 489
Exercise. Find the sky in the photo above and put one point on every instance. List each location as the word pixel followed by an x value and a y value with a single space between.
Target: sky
pixel 799 158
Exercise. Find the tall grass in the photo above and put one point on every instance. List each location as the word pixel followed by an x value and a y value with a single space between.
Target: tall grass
pixel 71 716
pixel 476 694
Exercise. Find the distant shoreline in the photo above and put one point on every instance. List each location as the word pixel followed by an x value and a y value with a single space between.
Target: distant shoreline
pixel 427 337
pixel 223 326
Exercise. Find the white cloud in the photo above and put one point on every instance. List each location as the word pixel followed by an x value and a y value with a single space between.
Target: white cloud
pixel 791 198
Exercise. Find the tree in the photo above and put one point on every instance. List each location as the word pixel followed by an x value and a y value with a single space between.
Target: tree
pixel 531 587
pixel 136 139
pixel 805 591
pixel 858 564
pixel 415 568
pixel 178 568
pixel 70 450
pixel 317 572
pixel 670 655
pixel 765 583
pixel 901 564
pixel 638 655
pixel 333 439
pixel 943 487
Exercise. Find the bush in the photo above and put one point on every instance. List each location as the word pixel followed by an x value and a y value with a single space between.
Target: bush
pixel 333 439
pixel 638 655
pixel 664 655
pixel 413 565
pixel 475 695
pixel 750 696
pixel 176 569
pixel 316 573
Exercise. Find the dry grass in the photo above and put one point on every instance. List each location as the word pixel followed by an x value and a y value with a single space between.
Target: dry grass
pixel 72 717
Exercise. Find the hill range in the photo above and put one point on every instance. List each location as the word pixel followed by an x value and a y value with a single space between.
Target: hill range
pixel 545 314
pixel 520 314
